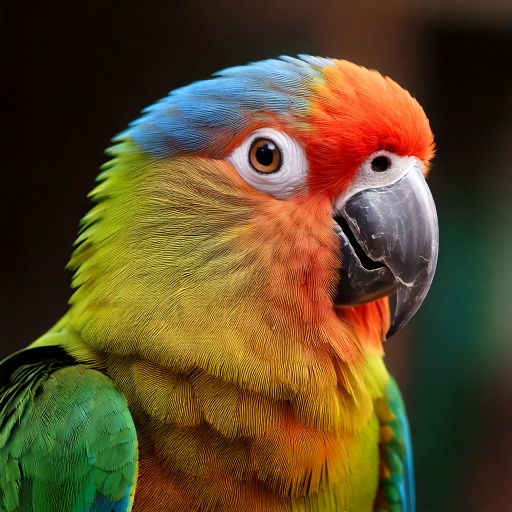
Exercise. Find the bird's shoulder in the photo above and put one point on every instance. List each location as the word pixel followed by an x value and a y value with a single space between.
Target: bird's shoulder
pixel 396 491
pixel 67 438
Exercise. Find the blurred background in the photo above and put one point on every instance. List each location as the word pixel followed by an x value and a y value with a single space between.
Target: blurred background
pixel 73 74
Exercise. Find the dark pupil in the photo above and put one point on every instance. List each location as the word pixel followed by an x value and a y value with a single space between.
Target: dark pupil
pixel 381 163
pixel 265 154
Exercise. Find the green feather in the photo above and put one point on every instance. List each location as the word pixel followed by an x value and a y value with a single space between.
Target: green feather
pixel 67 439
pixel 396 486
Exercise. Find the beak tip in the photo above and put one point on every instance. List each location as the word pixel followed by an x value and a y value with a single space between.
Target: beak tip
pixel 393 329
pixel 400 318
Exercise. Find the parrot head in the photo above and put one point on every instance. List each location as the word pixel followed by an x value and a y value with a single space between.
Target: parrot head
pixel 279 192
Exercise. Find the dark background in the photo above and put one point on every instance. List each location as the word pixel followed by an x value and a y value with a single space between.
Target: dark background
pixel 73 74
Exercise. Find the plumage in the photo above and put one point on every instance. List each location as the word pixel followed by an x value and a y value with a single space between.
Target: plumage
pixel 203 312
pixel 68 442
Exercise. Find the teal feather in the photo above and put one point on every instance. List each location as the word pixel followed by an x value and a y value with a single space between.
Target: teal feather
pixel 396 488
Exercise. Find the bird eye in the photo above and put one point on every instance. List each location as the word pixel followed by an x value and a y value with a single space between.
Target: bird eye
pixel 272 162
pixel 381 163
pixel 265 156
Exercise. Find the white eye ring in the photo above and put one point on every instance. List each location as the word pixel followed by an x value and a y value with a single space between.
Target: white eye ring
pixel 289 176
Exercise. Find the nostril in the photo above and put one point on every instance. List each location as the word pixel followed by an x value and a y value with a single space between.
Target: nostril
pixel 381 163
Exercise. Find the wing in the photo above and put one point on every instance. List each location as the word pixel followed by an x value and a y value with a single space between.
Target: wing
pixel 67 439
pixel 396 486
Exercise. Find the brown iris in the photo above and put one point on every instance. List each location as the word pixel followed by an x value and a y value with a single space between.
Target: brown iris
pixel 265 156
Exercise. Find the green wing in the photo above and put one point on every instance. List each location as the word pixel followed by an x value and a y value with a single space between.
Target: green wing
pixel 67 439
pixel 396 487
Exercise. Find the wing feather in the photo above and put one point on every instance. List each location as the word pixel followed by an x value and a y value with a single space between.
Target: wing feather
pixel 396 486
pixel 67 438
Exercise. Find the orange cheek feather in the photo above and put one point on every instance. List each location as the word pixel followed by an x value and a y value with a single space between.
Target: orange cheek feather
pixel 297 245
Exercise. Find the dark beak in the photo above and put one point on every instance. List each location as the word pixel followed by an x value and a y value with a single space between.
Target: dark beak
pixel 389 242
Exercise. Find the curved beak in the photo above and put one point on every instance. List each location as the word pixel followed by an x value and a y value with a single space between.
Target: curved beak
pixel 390 240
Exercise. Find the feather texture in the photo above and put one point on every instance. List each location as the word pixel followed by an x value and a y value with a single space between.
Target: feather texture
pixel 67 439
pixel 210 304
pixel 231 385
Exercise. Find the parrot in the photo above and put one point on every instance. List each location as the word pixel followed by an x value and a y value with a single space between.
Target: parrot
pixel 223 346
